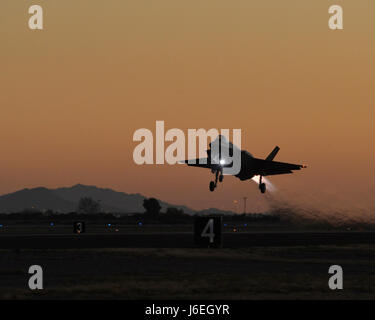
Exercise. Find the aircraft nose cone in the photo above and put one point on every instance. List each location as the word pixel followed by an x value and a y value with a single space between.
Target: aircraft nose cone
pixel 222 137
pixel 218 138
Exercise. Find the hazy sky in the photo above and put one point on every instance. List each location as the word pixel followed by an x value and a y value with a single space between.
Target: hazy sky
pixel 73 94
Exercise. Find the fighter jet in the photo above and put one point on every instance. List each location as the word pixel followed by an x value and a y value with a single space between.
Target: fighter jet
pixel 249 168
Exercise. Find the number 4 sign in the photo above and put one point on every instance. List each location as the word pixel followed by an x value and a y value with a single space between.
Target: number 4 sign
pixel 207 231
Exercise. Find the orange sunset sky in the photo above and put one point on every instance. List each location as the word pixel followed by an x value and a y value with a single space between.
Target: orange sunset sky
pixel 73 94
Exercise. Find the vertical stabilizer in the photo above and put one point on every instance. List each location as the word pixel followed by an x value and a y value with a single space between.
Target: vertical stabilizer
pixel 273 154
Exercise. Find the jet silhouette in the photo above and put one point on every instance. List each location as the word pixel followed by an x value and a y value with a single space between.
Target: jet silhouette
pixel 250 166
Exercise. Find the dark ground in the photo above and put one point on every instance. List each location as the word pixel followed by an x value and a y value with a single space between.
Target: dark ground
pixel 235 235
pixel 252 273
pixel 261 264
pixel 180 240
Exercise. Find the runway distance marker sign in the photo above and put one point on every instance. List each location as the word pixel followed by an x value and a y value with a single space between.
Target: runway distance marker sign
pixel 208 231
pixel 79 227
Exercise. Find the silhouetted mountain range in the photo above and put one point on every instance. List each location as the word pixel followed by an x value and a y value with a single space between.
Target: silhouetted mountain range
pixel 66 200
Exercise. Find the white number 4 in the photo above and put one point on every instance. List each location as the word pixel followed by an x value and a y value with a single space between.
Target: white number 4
pixel 208 230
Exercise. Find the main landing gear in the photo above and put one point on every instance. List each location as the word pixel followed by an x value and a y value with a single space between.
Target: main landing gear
pixel 262 185
pixel 218 176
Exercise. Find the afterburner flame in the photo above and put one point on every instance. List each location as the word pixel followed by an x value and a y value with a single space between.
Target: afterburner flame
pixel 269 185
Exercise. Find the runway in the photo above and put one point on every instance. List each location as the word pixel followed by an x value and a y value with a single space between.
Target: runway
pixel 181 240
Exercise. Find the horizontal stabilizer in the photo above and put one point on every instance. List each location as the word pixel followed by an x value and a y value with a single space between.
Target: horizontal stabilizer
pixel 273 154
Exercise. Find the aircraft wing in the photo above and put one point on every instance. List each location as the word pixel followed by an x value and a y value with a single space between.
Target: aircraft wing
pixel 202 163
pixel 268 168
pixel 205 163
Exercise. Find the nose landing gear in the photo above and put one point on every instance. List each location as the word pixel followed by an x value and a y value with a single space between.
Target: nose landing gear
pixel 212 186
pixel 218 176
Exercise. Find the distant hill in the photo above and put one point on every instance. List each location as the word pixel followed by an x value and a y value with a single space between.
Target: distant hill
pixel 37 198
pixel 66 199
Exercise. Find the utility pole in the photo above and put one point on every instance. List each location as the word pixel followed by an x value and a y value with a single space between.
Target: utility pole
pixel 244 204
pixel 235 206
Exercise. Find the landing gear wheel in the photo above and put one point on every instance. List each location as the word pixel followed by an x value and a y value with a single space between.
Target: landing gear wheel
pixel 212 186
pixel 221 177
pixel 262 187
